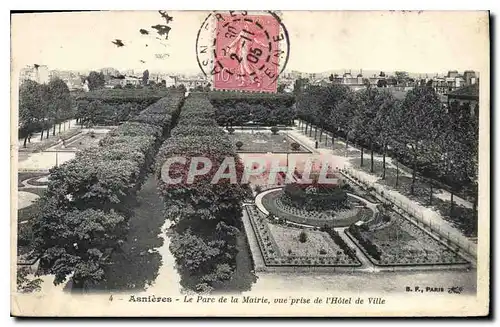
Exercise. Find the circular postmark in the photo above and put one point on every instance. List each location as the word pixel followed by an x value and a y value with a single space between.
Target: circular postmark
pixel 243 51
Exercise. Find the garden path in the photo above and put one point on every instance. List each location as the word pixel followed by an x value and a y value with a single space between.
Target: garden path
pixel 367 265
pixel 253 243
pixel 427 214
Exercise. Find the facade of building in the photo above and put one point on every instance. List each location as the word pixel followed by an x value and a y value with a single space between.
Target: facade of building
pixel 72 79
pixel 37 73
pixel 464 101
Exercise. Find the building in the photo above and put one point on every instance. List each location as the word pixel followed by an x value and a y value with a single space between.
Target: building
pixel 110 71
pixel 464 101
pixel 452 74
pixel 191 83
pixel 37 73
pixel 470 77
pixel 72 79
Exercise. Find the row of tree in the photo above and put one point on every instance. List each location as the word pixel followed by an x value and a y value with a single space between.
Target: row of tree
pixel 207 216
pixel 236 108
pixel 418 130
pixel 85 210
pixel 42 107
pixel 112 106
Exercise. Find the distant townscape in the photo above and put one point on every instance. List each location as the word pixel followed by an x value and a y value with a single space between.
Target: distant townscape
pixel 452 84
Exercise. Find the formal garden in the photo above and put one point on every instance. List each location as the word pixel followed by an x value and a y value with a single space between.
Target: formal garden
pixel 392 240
pixel 95 220
pixel 265 141
pixel 283 244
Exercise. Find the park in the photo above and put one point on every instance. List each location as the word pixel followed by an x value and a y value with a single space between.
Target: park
pixel 96 213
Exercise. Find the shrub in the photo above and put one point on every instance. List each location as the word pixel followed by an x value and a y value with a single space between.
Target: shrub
pixel 274 130
pixel 295 146
pixel 258 189
pixel 302 237
pixel 90 197
pixel 371 248
pixel 239 144
pixel 322 251
pixel 230 130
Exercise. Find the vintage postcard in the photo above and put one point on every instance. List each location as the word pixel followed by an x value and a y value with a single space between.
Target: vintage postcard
pixel 250 163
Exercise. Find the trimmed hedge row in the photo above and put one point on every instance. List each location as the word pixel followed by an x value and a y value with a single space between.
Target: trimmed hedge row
pixel 370 248
pixel 110 107
pixel 207 214
pixel 85 210
pixel 339 241
pixel 234 108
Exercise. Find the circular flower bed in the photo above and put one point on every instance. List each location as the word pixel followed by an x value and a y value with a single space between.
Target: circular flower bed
pixel 351 212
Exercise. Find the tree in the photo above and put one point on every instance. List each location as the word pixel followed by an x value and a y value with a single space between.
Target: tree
pixel 84 239
pixel 364 120
pixel 386 123
pixel 350 108
pixel 460 148
pixel 401 77
pixel 96 80
pixel 382 83
pixel 329 111
pixel 59 102
pixel 31 113
pixel 45 109
pixel 299 85
pixel 145 77
pixel 421 124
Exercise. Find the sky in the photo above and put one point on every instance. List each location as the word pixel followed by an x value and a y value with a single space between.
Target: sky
pixel 319 41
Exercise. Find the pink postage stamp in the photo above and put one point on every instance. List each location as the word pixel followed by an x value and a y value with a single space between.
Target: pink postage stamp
pixel 242 51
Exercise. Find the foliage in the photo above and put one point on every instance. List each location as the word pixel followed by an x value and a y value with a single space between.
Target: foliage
pixel 302 237
pixel 370 248
pixel 295 146
pixel 95 80
pixel 25 284
pixel 207 215
pixel 84 213
pixel 239 144
pixel 262 108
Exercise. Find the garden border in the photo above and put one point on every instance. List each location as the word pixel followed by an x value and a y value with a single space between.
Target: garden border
pixel 408 216
pixel 426 266
pixel 345 267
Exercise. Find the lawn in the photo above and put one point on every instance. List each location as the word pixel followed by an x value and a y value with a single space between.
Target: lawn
pixel 28 176
pixel 400 242
pixel 464 219
pixel 261 142
pixel 287 240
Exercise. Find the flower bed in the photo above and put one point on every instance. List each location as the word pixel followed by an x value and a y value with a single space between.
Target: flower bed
pixel 272 202
pixel 401 242
pixel 281 245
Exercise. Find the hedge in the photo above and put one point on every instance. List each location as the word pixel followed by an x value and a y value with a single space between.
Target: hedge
pixel 100 182
pixel 207 215
pixel 233 108
pixel 370 248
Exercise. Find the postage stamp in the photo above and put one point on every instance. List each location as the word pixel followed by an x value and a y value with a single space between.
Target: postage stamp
pixel 242 51
pixel 350 179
